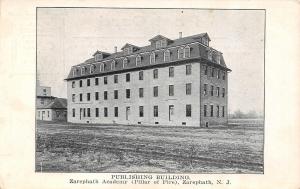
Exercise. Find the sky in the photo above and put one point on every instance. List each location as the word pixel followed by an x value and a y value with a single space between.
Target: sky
pixel 66 37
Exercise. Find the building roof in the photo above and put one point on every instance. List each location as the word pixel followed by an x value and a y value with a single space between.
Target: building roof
pixel 57 103
pixel 129 45
pixel 100 52
pixel 172 43
pixel 159 37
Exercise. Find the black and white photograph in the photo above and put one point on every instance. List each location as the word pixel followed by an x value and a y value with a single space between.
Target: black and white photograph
pixel 150 90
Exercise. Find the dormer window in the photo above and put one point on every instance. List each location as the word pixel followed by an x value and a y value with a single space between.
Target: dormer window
pixel 180 53
pixel 92 68
pixel 138 60
pixel 74 71
pixel 167 56
pixel 126 51
pixel 101 67
pixel 98 57
pixel 187 52
pixel 159 41
pixel 152 58
pixel 204 40
pixel 163 43
pixel 129 49
pixel 113 65
pixel 218 58
pixel 125 62
pixel 209 55
pixel 158 44
pixel 83 70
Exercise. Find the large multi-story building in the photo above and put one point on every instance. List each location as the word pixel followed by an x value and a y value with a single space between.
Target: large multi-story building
pixel 168 82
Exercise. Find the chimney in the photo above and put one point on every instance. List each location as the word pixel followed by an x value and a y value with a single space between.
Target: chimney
pixel 180 35
pixel 116 49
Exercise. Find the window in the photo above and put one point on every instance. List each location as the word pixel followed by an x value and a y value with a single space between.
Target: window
pixel 141 92
pixel 218 73
pixel 167 56
pixel 105 95
pixel 205 70
pixel 152 58
pixel 205 110
pixel 218 91
pixel 48 113
pixel 80 83
pixel 218 111
pixel 163 43
pixel 127 93
pixel 205 89
pixel 187 52
pixel 88 112
pixel 155 91
pixel 80 97
pixel 113 65
pixel 83 70
pixel 224 75
pixel 218 58
pixel 223 92
pixel 209 54
pixel 155 73
pixel 116 111
pixel 158 44
pixel 88 82
pixel 73 112
pixel 92 68
pixel 127 77
pixel 73 84
pixel 180 53
pixel 96 112
pixel 105 80
pixel 171 90
pixel 116 94
pixel 155 111
pixel 88 96
pixel 96 95
pixel 188 110
pixel 83 112
pixel 73 97
pixel 211 90
pixel 96 81
pixel 223 111
pixel 188 89
pixel 126 51
pixel 188 69
pixel 205 41
pixel 141 111
pixel 125 62
pixel 138 60
pixel 105 112
pixel 98 57
pixel 101 67
pixel 116 78
pixel 171 71
pixel 211 110
pixel 212 72
pixel 141 75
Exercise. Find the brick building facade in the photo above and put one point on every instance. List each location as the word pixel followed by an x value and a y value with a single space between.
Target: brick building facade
pixel 169 82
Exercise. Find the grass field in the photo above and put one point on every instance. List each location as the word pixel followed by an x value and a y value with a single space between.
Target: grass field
pixel 62 147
